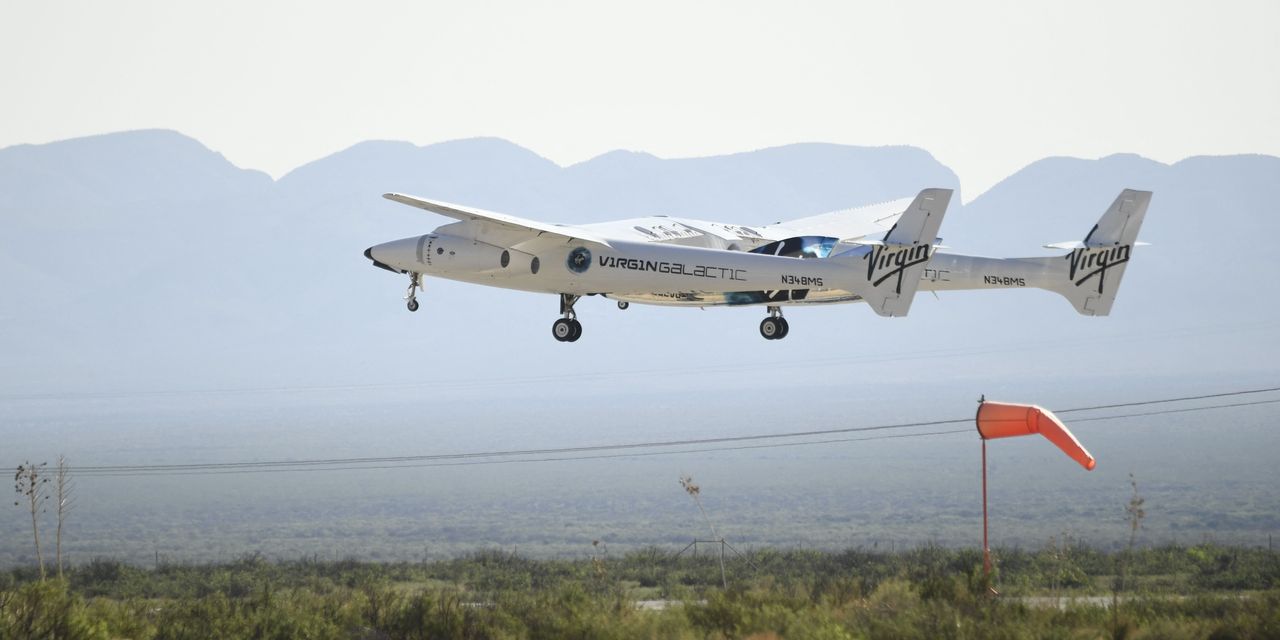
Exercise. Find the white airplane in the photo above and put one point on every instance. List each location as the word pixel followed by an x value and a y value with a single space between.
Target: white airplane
pixel 880 255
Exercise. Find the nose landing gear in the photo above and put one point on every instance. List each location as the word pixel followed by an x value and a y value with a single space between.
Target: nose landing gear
pixel 774 327
pixel 411 296
pixel 567 328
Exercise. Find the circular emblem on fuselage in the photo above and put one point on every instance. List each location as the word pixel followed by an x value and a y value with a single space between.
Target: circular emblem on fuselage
pixel 579 260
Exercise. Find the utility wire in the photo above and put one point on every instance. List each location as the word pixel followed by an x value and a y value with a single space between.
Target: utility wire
pixel 524 452
pixel 467 463
pixel 1183 410
pixel 576 453
pixel 1167 400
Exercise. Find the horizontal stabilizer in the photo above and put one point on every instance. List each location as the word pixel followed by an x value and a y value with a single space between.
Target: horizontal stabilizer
pixel 1077 244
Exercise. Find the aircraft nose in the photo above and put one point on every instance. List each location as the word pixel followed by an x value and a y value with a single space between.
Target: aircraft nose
pixel 396 256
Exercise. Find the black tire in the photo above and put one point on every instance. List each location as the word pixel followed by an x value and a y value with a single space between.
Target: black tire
pixel 769 328
pixel 412 305
pixel 623 304
pixel 562 329
pixel 786 328
pixel 577 331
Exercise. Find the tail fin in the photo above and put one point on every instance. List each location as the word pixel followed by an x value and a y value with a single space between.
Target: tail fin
pixel 894 265
pixel 1095 266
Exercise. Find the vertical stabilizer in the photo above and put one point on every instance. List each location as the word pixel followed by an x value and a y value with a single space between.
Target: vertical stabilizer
pixel 893 267
pixel 1094 267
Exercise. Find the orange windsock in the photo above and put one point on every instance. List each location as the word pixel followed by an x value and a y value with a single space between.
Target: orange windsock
pixel 1005 420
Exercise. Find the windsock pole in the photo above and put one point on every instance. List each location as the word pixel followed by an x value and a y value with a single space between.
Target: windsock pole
pixel 986 547
pixel 1005 420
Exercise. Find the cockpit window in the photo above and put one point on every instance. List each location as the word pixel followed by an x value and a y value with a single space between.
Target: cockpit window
pixel 799 247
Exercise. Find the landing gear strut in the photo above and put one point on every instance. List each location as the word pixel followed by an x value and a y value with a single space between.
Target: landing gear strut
pixel 411 296
pixel 567 328
pixel 775 326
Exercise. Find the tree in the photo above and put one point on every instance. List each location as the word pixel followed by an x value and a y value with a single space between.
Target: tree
pixel 29 483
pixel 1136 513
pixel 695 491
pixel 64 490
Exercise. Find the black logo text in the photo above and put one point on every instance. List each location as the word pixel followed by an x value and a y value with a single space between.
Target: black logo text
pixel 885 262
pixel 673 268
pixel 1087 263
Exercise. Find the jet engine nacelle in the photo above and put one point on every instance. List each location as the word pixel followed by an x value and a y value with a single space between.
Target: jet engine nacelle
pixel 450 254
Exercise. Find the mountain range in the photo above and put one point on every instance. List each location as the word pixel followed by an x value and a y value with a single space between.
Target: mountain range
pixel 144 261
pixel 159 305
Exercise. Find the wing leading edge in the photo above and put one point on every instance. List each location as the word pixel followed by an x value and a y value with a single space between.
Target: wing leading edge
pixel 471 214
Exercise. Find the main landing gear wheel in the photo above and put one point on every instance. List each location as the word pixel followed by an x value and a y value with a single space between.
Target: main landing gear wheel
pixel 623 304
pixel 774 327
pixel 412 304
pixel 567 328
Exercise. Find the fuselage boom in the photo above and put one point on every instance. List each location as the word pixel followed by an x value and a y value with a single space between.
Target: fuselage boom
pixel 620 269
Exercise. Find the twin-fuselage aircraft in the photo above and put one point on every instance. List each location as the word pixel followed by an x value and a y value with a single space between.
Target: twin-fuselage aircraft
pixel 881 255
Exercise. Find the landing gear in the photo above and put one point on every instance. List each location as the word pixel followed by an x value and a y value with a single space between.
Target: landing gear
pixel 623 305
pixel 411 296
pixel 567 328
pixel 774 327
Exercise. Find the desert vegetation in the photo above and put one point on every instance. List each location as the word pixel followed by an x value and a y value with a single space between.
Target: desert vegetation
pixel 1066 589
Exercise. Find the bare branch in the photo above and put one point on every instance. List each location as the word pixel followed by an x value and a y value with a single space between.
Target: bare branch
pixel 30 483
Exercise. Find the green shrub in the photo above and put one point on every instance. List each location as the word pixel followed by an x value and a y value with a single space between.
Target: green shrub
pixel 40 610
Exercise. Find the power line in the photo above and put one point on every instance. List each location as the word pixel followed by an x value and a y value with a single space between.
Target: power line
pixel 1182 410
pixel 590 452
pixel 1167 400
pixel 523 452
pixel 468 463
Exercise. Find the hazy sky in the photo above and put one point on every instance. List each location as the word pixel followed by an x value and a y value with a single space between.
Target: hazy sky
pixel 986 86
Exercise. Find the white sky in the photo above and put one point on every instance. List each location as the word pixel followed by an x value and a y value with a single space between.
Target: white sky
pixel 985 86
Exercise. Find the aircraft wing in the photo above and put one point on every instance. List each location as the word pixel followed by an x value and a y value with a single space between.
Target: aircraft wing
pixel 506 222
pixel 843 224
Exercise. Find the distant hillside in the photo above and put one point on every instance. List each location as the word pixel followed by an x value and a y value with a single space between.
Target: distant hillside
pixel 144 260
pixel 1200 265
pixel 159 305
